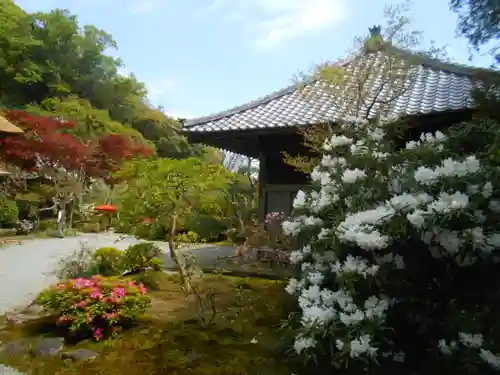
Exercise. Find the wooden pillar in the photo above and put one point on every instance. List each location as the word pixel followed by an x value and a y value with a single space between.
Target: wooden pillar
pixel 262 186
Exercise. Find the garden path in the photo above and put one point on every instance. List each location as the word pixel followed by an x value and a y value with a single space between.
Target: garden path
pixel 26 269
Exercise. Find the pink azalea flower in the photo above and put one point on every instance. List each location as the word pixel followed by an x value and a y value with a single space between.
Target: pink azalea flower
pixel 97 333
pixel 142 289
pixel 96 294
pixel 80 305
pixel 118 293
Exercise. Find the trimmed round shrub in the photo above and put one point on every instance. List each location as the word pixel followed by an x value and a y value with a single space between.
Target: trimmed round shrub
pixel 143 256
pixel 95 306
pixel 398 257
pixel 108 261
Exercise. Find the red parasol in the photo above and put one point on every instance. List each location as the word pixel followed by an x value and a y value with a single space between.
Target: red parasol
pixel 105 208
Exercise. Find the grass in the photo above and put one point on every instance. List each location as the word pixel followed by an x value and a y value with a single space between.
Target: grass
pixel 170 340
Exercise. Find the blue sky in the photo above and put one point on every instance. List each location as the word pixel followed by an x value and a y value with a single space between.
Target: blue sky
pixel 203 56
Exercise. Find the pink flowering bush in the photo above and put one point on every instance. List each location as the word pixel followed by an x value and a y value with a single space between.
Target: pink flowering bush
pixel 98 305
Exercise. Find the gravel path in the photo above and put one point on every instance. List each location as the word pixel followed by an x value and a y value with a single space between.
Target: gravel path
pixel 26 269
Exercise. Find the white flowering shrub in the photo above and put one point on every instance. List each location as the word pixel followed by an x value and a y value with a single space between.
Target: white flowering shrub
pixel 398 251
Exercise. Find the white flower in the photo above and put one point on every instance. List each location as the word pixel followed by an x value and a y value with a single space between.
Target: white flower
pixel 336 141
pixel 293 285
pixel 487 190
pixel 490 359
pixel 302 343
pixel 445 348
pixel 352 175
pixel 300 199
pixel 362 345
pixel 471 340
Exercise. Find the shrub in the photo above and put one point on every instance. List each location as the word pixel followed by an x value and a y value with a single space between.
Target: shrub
pixel 206 227
pixel 153 280
pixel 96 306
pixel 143 256
pixel 108 261
pixel 398 256
pixel 189 237
pixel 77 264
pixel 9 211
pixel 47 224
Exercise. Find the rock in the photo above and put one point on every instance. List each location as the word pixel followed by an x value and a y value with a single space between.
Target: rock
pixel 14 348
pixel 16 320
pixel 34 311
pixel 192 358
pixel 81 355
pixel 49 346
pixel 19 319
pixel 6 370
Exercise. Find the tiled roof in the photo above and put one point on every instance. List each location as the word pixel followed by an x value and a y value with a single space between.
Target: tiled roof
pixel 430 86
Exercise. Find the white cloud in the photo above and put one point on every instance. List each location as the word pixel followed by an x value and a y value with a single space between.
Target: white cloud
pixel 161 88
pixel 274 22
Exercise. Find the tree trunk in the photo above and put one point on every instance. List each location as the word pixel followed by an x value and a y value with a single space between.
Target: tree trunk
pixel 70 224
pixel 173 254
pixel 61 218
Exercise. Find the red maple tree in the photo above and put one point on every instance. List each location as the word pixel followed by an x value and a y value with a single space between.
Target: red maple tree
pixel 111 152
pixel 47 142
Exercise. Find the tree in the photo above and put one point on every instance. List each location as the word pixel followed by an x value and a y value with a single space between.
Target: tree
pixel 479 22
pixel 110 154
pixel 169 190
pixel 362 97
pixel 47 150
pixel 51 152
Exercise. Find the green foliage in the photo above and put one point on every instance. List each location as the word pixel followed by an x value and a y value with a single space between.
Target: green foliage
pixel 76 264
pixel 206 227
pixel 143 256
pixel 479 22
pixel 152 280
pixel 48 224
pixel 8 211
pixel 168 188
pixel 188 237
pixel 53 65
pixel 90 122
pixel 96 306
pixel 108 261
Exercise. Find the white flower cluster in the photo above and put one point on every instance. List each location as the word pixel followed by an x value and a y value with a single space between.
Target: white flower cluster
pixel 352 180
pixel 471 341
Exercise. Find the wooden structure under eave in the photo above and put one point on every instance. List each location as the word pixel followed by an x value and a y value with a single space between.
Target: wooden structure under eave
pixel 435 95
pixel 7 129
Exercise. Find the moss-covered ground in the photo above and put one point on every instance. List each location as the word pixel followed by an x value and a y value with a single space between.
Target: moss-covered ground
pixel 244 337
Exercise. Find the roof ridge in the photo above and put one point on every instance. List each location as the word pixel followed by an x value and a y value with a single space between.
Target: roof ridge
pixel 438 64
pixel 421 59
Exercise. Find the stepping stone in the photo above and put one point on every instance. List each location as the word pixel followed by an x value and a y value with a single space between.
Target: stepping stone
pixel 6 370
pixel 192 358
pixel 49 346
pixel 14 348
pixel 81 355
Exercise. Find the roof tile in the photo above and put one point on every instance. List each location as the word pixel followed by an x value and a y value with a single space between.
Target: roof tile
pixel 431 86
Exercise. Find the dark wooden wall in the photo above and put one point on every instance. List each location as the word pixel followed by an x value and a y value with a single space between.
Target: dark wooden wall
pixel 279 181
